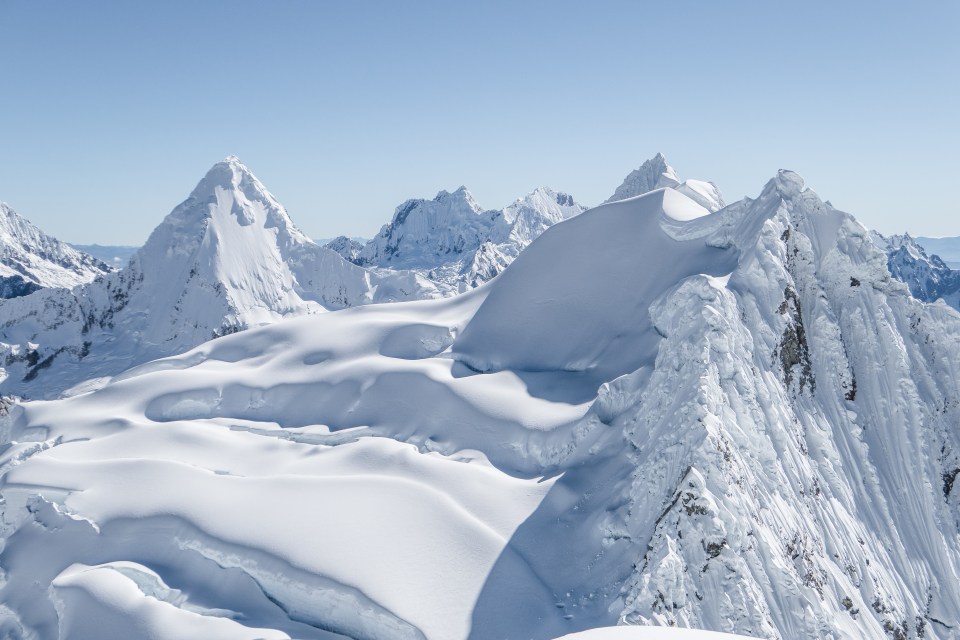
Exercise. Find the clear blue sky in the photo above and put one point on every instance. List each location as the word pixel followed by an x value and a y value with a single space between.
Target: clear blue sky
pixel 110 112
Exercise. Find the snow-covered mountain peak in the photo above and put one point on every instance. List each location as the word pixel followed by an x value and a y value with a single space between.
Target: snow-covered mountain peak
pixel 787 184
pixel 655 173
pixel 227 197
pixel 225 259
pixel 552 205
pixel 460 194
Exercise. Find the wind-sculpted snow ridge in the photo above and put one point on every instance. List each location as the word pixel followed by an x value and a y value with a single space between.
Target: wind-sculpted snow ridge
pixel 31 260
pixel 929 278
pixel 226 259
pixel 738 421
pixel 655 173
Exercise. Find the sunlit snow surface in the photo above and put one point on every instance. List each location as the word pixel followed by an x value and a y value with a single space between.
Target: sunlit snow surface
pixel 733 421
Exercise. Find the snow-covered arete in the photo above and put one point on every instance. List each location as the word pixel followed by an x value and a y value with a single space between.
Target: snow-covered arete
pixel 738 421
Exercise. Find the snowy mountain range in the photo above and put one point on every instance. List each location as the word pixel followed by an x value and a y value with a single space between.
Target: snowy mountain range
pixel 454 242
pixel 737 420
pixel 225 259
pixel 32 260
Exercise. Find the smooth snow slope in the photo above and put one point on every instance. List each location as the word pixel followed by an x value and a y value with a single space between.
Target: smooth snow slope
pixel 590 315
pixel 737 421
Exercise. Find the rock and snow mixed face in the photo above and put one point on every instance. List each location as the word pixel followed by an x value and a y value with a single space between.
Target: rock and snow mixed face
pixel 32 260
pixel 455 242
pixel 225 259
pixel 738 422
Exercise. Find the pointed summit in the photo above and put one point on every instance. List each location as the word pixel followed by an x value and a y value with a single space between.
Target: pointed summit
pixel 655 173
pixel 786 185
pixel 227 258
pixel 227 196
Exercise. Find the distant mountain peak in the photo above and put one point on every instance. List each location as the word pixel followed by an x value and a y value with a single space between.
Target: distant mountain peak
pixel 459 195
pixel 656 173
pixel 787 183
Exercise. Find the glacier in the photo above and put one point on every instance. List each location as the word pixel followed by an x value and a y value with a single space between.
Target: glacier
pixel 664 412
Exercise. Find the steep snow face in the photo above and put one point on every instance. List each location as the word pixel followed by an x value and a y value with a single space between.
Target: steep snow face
pixel 738 422
pixel 929 277
pixel 225 259
pixel 795 443
pixel 655 173
pixel 31 260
